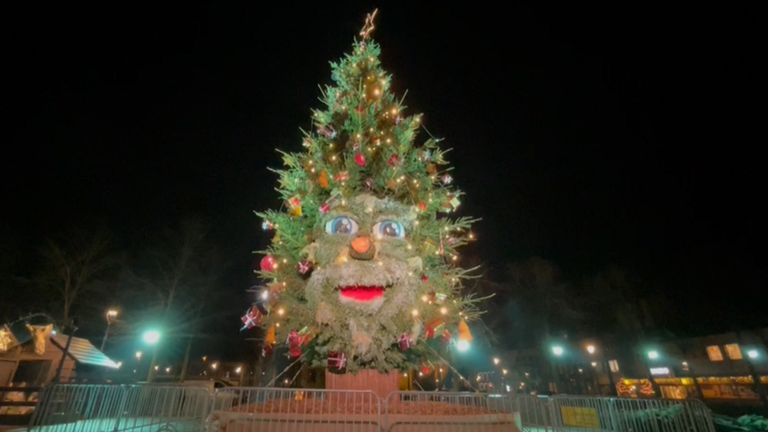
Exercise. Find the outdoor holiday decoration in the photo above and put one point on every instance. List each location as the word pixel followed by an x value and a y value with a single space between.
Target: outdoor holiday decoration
pixel 6 339
pixel 40 335
pixel 365 249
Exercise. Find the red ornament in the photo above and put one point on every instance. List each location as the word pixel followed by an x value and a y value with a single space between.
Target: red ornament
pixel 422 206
pixel 268 264
pixel 325 208
pixel 424 278
pixel 341 176
pixel 360 159
pixel 446 336
pixel 294 344
pixel 426 370
pixel 393 160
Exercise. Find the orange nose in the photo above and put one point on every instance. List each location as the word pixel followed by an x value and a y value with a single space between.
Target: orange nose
pixel 361 244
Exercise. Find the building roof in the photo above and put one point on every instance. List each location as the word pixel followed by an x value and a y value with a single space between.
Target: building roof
pixel 83 351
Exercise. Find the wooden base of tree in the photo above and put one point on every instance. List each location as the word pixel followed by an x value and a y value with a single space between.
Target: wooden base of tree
pixel 369 379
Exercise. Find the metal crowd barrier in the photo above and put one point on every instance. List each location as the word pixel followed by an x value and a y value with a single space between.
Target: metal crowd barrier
pixel 104 408
pixel 252 409
pixel 157 408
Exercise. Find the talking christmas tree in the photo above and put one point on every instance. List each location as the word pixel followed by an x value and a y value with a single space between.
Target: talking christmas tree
pixel 362 270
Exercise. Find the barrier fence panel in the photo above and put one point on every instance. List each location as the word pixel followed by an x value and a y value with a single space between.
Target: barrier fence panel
pixel 156 408
pixel 447 411
pixel 251 409
pixel 103 408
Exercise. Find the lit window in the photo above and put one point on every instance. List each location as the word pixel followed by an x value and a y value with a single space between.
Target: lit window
pixel 733 351
pixel 714 353
pixel 614 365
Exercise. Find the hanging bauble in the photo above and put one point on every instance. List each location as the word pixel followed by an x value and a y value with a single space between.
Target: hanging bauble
pixel 393 160
pixel 360 159
pixel 404 342
pixel 337 362
pixel 325 208
pixel 294 344
pixel 464 333
pixel 431 169
pixel 268 264
pixel 369 184
pixel 267 225
pixel 252 318
pixel 446 179
pixel 322 179
pixel 294 206
pixel 426 369
pixel 304 268
pixel 341 176
pixel 424 278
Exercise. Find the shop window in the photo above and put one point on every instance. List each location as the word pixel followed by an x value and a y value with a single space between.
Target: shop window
pixel 614 365
pixel 714 353
pixel 733 351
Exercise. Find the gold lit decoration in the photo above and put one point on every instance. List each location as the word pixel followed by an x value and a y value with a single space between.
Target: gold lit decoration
pixel 369 26
pixel 40 335
pixel 6 340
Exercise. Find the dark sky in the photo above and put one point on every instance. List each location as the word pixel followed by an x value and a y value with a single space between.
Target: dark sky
pixel 589 136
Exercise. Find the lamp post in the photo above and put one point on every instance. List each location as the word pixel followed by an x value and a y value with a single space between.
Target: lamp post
pixel 151 338
pixel 557 352
pixel 111 314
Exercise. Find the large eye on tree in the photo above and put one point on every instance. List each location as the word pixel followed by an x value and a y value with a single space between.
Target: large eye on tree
pixel 341 225
pixel 389 228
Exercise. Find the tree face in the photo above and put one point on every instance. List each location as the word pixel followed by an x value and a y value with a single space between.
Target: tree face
pixel 368 273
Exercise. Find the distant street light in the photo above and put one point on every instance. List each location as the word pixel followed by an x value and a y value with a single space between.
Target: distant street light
pixel 462 346
pixel 496 361
pixel 139 354
pixel 591 349
pixel 653 355
pixel 504 371
pixel 753 354
pixel 558 350
pixel 151 337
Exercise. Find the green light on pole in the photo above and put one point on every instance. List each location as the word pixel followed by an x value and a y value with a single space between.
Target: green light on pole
pixel 558 350
pixel 753 354
pixel 653 355
pixel 462 346
pixel 151 337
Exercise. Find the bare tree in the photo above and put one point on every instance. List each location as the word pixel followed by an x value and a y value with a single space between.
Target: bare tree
pixel 74 270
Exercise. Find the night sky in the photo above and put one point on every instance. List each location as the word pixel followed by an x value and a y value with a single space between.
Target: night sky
pixel 589 136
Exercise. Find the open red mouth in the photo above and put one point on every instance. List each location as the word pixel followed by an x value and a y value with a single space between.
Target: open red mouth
pixel 361 293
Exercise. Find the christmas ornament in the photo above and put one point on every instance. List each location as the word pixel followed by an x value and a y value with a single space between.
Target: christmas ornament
pixel 426 370
pixel 294 342
pixel 431 327
pixel 393 160
pixel 294 207
pixel 268 264
pixel 422 206
pixel 431 169
pixel 424 278
pixel 464 333
pixel 360 159
pixel 446 179
pixel 341 176
pixel 337 362
pixel 251 319
pixel 404 342
pixel 304 268
pixel 322 179
pixel 267 225
pixel 327 132
pixel 325 208
pixel 368 183
pixel 271 337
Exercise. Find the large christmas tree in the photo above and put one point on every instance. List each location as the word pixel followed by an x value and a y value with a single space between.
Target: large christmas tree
pixel 362 271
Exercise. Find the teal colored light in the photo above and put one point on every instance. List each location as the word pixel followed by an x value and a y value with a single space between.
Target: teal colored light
pixel 653 354
pixel 558 350
pixel 753 354
pixel 462 346
pixel 151 337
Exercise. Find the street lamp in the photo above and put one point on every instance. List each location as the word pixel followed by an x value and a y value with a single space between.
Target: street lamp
pixel 653 355
pixel 591 349
pixel 139 354
pixel 111 315
pixel 558 350
pixel 753 354
pixel 151 337
pixel 496 361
